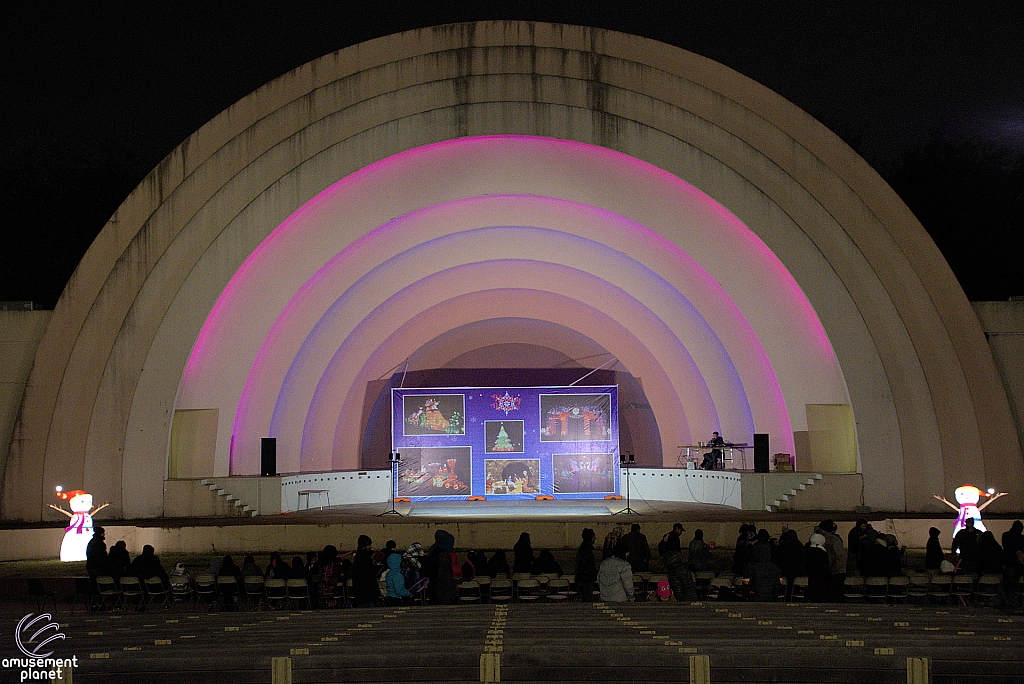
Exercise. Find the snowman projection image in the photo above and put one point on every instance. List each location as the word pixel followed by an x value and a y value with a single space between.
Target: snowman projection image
pixel 78 533
pixel 968 496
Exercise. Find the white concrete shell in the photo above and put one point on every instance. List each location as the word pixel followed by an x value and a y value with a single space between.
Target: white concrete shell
pixel 689 151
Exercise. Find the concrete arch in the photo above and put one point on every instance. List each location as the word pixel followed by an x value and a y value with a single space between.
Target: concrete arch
pixel 930 408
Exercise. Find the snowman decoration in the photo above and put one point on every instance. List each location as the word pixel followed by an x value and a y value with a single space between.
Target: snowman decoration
pixel 968 497
pixel 78 533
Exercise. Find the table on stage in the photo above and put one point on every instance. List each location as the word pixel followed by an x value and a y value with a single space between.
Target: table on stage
pixel 693 453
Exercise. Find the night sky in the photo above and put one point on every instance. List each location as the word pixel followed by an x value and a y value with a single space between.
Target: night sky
pixel 95 94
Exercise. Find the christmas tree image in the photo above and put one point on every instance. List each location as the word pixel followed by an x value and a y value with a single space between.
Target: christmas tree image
pixel 503 443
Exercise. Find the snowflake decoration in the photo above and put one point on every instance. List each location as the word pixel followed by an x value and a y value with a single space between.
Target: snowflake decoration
pixel 505 403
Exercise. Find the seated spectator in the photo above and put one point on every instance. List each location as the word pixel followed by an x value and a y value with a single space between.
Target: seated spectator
pixel 412 563
pixel 546 563
pixel 871 557
pixel 499 564
pixel 523 553
pixel 467 569
pixel 118 560
pixel 615 576
pixel 990 555
pixel 480 565
pixel 180 571
pixel 249 568
pixel 380 558
pixel 893 556
pixel 299 570
pixel 277 568
pixel 146 565
pixel 395 592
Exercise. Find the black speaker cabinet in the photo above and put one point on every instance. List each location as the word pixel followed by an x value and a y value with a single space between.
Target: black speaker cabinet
pixel 761 453
pixel 268 456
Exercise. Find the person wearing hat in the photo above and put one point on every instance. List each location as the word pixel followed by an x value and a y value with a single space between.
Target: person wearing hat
pixel 819 579
pixel 679 578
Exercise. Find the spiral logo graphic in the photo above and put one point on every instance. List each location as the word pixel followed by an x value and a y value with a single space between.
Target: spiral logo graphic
pixel 32 645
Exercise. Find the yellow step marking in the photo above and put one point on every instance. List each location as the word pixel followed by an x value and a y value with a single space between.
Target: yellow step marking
pixel 688 649
pixel 901 624
pixel 328 638
pixel 827 637
pixel 765 622
pixel 162 642
pixel 99 656
pixel 231 629
pixel 133 648
pixel 854 642
pixel 299 651
pixel 966 633
pixel 884 651
pixel 95 633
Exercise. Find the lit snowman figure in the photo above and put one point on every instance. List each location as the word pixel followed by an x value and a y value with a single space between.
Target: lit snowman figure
pixel 78 533
pixel 968 497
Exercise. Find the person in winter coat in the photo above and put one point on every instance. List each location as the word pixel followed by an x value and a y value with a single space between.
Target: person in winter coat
pixel 523 553
pixel 819 579
pixel 586 566
pixel 396 593
pixel 365 590
pixel 615 577
pixel 933 555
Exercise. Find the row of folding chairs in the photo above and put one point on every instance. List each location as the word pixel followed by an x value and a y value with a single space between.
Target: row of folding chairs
pixel 253 592
pixel 130 591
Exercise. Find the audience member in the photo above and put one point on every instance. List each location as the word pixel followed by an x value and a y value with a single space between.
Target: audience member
pixel 764 575
pixel 837 556
pixel 96 559
pixel 679 578
pixel 249 568
pixel 819 579
pixel 933 554
pixel 615 577
pixel 412 563
pixel 146 565
pixel 790 556
pixel 394 583
pixel 966 542
pixel 741 556
pixel 586 566
pixel 990 555
pixel 299 570
pixel 499 564
pixel 1013 559
pixel 442 586
pixel 522 554
pixel 277 568
pixel 611 540
pixel 639 549
pixel 699 554
pixel 227 567
pixel 327 573
pixel 893 556
pixel 365 590
pixel 853 539
pixel 118 560
pixel 871 561
pixel 546 564
pixel 480 565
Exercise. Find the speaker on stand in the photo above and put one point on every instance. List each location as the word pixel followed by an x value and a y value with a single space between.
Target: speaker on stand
pixel 761 453
pixel 268 456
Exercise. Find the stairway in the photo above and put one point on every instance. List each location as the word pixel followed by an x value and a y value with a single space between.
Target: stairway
pixel 235 506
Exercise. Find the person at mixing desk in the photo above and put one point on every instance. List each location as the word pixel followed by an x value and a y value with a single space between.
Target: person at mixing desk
pixel 713 457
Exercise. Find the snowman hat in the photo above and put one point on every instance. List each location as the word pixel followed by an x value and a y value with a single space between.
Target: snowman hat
pixel 981 492
pixel 70 494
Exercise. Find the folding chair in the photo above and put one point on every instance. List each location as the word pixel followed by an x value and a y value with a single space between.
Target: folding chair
pixel 988 588
pixel 469 592
pixel 720 588
pixel 558 590
pixel 206 590
pixel 853 589
pixel 298 591
pixel 798 592
pixel 83 591
pixel 107 590
pixel 420 590
pixel 899 588
pixel 40 594
pixel 131 591
pixel 962 588
pixel 702 583
pixel 228 592
pixel 501 591
pixel 527 591
pixel 276 590
pixel 181 589
pixel 939 588
pixel 917 592
pixel 485 587
pixel 254 591
pixel 876 589
pixel 156 591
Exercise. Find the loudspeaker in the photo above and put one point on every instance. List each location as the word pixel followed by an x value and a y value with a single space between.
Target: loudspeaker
pixel 761 453
pixel 268 456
